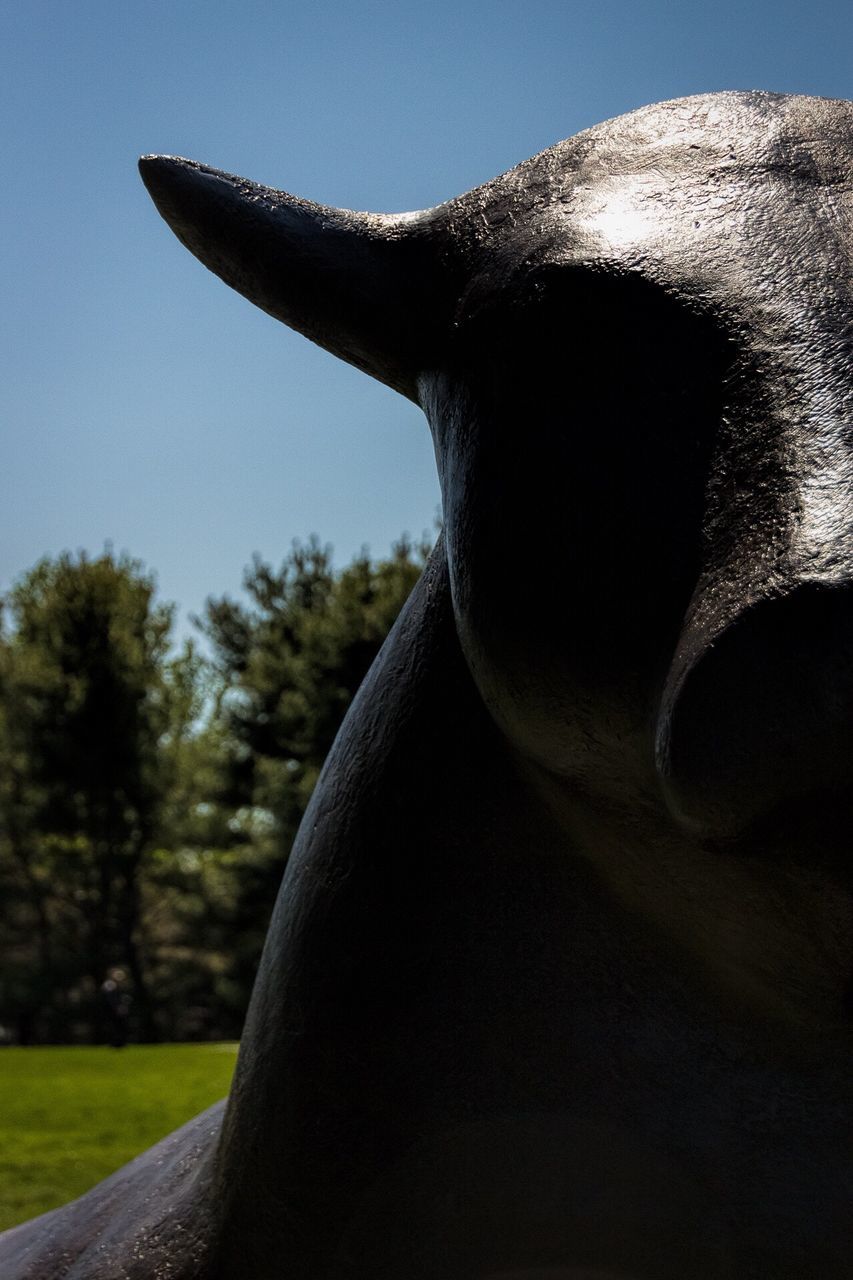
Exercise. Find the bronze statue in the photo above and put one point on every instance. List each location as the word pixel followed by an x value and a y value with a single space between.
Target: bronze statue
pixel 559 980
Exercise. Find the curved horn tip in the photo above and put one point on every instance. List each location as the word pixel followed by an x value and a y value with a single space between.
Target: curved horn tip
pixel 153 167
pixel 163 174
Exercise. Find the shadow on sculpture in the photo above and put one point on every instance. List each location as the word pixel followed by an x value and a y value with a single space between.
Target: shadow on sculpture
pixel 558 984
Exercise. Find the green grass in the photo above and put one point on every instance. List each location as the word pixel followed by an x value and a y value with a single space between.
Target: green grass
pixel 68 1117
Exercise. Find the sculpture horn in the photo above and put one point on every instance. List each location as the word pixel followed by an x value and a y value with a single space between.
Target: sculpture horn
pixel 362 285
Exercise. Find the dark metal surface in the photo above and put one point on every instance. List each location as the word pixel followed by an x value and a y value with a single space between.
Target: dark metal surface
pixel 559 980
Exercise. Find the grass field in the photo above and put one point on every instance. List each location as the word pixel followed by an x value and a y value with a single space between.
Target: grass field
pixel 68 1117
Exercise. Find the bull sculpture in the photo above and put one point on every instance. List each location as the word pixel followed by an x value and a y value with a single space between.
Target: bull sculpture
pixel 559 981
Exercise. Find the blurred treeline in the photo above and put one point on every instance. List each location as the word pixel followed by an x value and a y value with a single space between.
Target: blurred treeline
pixel 149 798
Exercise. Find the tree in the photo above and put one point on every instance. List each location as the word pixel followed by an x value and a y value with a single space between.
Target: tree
pixel 84 708
pixel 191 876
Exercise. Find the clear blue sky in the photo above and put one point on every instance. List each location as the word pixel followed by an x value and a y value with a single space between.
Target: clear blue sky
pixel 144 403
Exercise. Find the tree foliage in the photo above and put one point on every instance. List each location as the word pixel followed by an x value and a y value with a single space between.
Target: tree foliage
pixel 149 799
pixel 84 711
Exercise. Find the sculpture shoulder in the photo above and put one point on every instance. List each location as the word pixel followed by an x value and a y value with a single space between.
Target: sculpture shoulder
pixel 150 1219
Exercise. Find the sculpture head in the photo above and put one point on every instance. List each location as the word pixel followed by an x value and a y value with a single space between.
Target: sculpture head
pixel 634 354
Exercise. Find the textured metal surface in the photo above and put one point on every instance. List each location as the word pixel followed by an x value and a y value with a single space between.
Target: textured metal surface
pixel 558 984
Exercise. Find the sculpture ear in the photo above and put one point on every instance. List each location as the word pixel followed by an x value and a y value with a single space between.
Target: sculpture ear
pixel 364 286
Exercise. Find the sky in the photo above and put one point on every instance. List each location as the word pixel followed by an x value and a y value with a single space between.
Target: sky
pixel 145 405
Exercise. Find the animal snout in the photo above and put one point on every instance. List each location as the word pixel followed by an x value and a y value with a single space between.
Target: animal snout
pixel 763 716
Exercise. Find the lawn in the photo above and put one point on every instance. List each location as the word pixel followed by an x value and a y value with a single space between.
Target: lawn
pixel 68 1117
